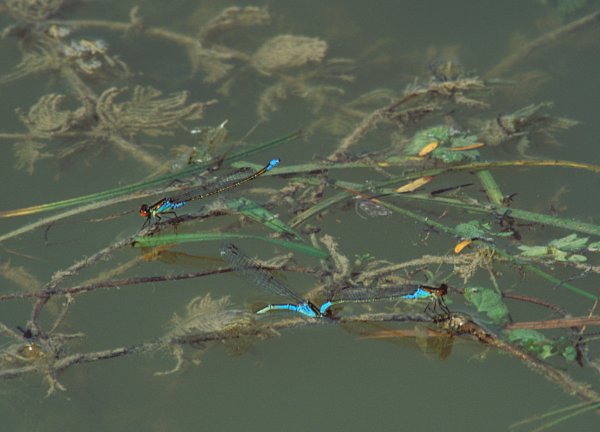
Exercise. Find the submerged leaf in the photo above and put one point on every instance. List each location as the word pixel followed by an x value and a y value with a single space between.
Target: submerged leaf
pixel 268 101
pixel 260 214
pixel 19 276
pixel 36 60
pixel 541 346
pixel 28 153
pixel 489 302
pixel 211 62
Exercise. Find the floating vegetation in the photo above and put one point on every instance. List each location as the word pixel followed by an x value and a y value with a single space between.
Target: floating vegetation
pixel 288 51
pixel 445 144
pixel 145 112
pixel 45 119
pixel 33 10
pixel 522 126
pixel 480 262
pixel 564 249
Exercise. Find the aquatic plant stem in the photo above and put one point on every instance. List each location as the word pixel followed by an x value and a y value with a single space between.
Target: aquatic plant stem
pixel 125 193
pixel 541 42
pixel 373 119
pixel 554 324
pixel 133 150
pixel 450 231
pixel 490 186
pixel 269 328
pixel 568 224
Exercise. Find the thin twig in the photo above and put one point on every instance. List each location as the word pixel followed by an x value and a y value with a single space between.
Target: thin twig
pixel 553 324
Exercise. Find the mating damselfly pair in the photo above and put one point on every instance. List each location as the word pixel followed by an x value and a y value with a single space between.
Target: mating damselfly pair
pixel 252 270
pixel 168 205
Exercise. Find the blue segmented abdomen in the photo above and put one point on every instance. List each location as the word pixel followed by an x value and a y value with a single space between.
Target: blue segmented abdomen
pixel 273 163
pixel 169 205
pixel 301 308
pixel 324 307
pixel 420 293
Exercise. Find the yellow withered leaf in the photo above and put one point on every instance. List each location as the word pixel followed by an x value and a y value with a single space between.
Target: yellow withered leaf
pixel 469 147
pixel 461 245
pixel 414 185
pixel 429 148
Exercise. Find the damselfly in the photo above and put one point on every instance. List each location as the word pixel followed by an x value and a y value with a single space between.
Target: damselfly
pixel 411 291
pixel 168 205
pixel 263 278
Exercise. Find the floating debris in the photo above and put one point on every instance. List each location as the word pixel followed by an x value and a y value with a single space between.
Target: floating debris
pixel 288 51
pixel 33 10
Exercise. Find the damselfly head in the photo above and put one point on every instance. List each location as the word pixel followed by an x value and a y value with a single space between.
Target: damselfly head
pixel 144 211
pixel 440 291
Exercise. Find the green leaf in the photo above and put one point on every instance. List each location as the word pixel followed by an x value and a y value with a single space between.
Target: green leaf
pixel 570 243
pixel 569 353
pixel 539 345
pixel 469 230
pixel 260 214
pixel 533 342
pixel 559 249
pixel 557 254
pixel 546 352
pixel 456 140
pixel 450 156
pixel 534 251
pixel 526 335
pixel 577 258
pixel 489 302
pixel 504 234
pixel 447 138
pixel 594 247
pixel 426 136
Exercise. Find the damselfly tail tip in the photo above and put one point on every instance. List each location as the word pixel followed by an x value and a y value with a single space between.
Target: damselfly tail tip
pixel 264 310
pixel 273 163
pixel 325 308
